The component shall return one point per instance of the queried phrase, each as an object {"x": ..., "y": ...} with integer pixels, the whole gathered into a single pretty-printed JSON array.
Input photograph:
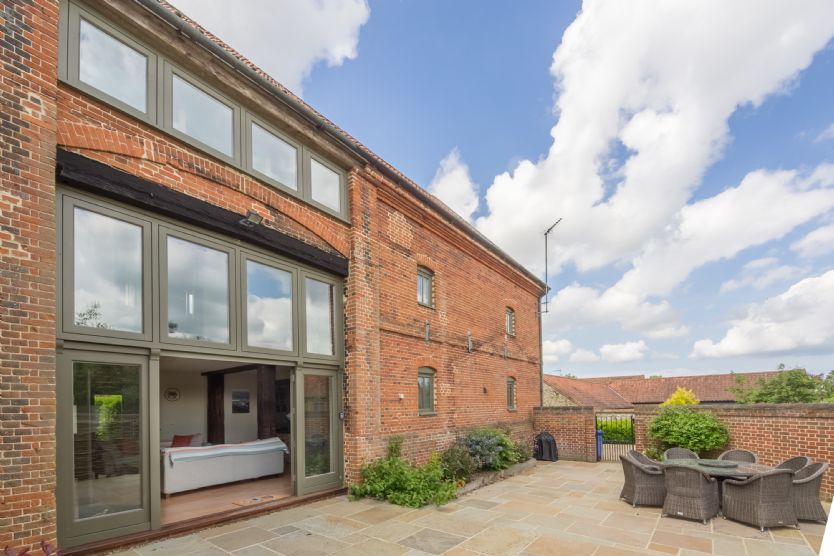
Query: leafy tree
[
  {"x": 681, "y": 396},
  {"x": 682, "y": 427},
  {"x": 792, "y": 386}
]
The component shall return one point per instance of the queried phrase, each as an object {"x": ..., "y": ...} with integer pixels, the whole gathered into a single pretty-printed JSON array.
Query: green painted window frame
[
  {"x": 159, "y": 100},
  {"x": 251, "y": 120},
  {"x": 70, "y": 69},
  {"x": 66, "y": 298},
  {"x": 164, "y": 233},
  {"x": 336, "y": 311},
  {"x": 511, "y": 393},
  {"x": 430, "y": 375},
  {"x": 425, "y": 274},
  {"x": 509, "y": 321},
  {"x": 245, "y": 257}
]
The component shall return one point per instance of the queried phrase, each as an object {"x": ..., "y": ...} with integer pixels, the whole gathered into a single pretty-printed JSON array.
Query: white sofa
[{"x": 190, "y": 467}]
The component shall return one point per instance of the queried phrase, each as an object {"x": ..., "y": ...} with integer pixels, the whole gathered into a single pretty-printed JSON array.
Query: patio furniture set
[{"x": 735, "y": 485}]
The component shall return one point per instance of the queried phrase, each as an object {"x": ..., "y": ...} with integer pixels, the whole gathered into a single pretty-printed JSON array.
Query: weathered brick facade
[
  {"x": 28, "y": 82},
  {"x": 390, "y": 232},
  {"x": 775, "y": 432}
]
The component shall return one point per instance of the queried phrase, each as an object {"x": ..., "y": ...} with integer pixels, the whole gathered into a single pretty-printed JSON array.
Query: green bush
[
  {"x": 617, "y": 431},
  {"x": 654, "y": 453},
  {"x": 686, "y": 428},
  {"x": 491, "y": 448},
  {"x": 401, "y": 483},
  {"x": 457, "y": 464}
]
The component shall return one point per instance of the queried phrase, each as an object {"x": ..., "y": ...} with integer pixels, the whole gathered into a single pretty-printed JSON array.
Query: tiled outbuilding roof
[{"x": 586, "y": 393}]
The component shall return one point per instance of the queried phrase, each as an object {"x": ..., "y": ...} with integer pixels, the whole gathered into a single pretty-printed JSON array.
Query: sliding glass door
[
  {"x": 103, "y": 487},
  {"x": 319, "y": 430}
]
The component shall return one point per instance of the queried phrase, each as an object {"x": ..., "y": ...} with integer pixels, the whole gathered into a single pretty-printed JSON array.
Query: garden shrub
[
  {"x": 493, "y": 449},
  {"x": 681, "y": 396},
  {"x": 396, "y": 480},
  {"x": 617, "y": 431},
  {"x": 457, "y": 464},
  {"x": 686, "y": 428}
]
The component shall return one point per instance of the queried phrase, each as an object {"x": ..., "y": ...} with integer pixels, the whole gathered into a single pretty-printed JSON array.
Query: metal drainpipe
[{"x": 541, "y": 355}]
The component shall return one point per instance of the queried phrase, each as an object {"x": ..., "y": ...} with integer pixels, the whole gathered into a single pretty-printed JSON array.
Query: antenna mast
[{"x": 547, "y": 286}]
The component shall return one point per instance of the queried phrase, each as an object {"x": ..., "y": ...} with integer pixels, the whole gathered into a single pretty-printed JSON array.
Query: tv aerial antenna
[{"x": 547, "y": 286}]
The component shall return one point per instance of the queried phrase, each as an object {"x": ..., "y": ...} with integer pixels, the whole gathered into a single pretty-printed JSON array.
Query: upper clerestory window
[
  {"x": 201, "y": 116},
  {"x": 272, "y": 156},
  {"x": 325, "y": 185}
]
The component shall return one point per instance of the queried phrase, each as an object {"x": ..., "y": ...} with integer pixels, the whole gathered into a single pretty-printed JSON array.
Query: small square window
[
  {"x": 511, "y": 393},
  {"x": 509, "y": 318},
  {"x": 325, "y": 185},
  {"x": 201, "y": 116},
  {"x": 425, "y": 388},
  {"x": 273, "y": 157},
  {"x": 425, "y": 287}
]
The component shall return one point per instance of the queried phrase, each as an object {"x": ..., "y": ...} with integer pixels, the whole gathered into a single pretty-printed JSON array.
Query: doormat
[{"x": 255, "y": 500}]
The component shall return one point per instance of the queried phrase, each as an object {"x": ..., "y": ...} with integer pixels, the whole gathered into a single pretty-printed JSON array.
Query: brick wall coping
[
  {"x": 818, "y": 410},
  {"x": 565, "y": 409}
]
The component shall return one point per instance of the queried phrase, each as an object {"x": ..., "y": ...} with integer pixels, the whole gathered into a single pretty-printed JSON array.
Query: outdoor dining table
[{"x": 722, "y": 469}]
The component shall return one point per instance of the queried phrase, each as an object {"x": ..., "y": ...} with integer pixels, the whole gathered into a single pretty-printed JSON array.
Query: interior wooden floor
[{"x": 211, "y": 500}]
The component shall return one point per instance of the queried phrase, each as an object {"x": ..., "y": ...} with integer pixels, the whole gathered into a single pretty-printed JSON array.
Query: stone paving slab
[{"x": 562, "y": 508}]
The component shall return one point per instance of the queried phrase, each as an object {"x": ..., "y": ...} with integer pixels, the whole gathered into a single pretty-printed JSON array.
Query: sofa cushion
[{"x": 181, "y": 440}]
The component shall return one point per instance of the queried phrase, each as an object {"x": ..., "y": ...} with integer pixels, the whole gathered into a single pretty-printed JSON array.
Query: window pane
[
  {"x": 106, "y": 439},
  {"x": 112, "y": 67},
  {"x": 268, "y": 307},
  {"x": 202, "y": 116},
  {"x": 424, "y": 288},
  {"x": 317, "y": 437},
  {"x": 425, "y": 383},
  {"x": 198, "y": 292},
  {"x": 274, "y": 157},
  {"x": 108, "y": 272},
  {"x": 326, "y": 185},
  {"x": 319, "y": 314}
]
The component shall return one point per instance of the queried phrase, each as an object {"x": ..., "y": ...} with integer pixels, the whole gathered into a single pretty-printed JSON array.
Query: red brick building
[{"x": 190, "y": 254}]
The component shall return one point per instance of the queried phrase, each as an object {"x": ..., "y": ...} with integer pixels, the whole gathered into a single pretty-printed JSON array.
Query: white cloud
[
  {"x": 817, "y": 243},
  {"x": 583, "y": 356},
  {"x": 554, "y": 349},
  {"x": 668, "y": 107},
  {"x": 621, "y": 353},
  {"x": 826, "y": 134},
  {"x": 798, "y": 320},
  {"x": 762, "y": 273},
  {"x": 286, "y": 39},
  {"x": 453, "y": 185}
]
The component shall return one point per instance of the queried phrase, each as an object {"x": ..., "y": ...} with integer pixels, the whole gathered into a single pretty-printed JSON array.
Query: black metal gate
[{"x": 617, "y": 435}]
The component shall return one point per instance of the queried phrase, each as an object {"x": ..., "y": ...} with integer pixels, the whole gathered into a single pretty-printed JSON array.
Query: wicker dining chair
[
  {"x": 690, "y": 493},
  {"x": 644, "y": 459},
  {"x": 805, "y": 493},
  {"x": 643, "y": 483},
  {"x": 743, "y": 456},
  {"x": 795, "y": 463},
  {"x": 763, "y": 500},
  {"x": 679, "y": 453}
]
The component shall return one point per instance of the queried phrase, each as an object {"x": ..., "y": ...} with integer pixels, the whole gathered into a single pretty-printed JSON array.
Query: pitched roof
[
  {"x": 587, "y": 393},
  {"x": 654, "y": 390}
]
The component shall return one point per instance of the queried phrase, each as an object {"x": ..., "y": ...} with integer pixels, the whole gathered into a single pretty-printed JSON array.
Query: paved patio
[{"x": 558, "y": 508}]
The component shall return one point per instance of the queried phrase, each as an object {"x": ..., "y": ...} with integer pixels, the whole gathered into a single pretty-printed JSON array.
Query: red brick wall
[
  {"x": 574, "y": 429},
  {"x": 28, "y": 74},
  {"x": 775, "y": 432}
]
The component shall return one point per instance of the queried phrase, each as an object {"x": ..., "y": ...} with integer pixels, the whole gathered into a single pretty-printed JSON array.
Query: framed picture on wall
[{"x": 240, "y": 401}]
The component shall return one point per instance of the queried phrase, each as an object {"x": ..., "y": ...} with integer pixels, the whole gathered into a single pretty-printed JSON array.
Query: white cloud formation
[
  {"x": 800, "y": 319},
  {"x": 817, "y": 243},
  {"x": 826, "y": 134},
  {"x": 555, "y": 349},
  {"x": 762, "y": 273},
  {"x": 583, "y": 356},
  {"x": 621, "y": 353},
  {"x": 286, "y": 39},
  {"x": 453, "y": 185}
]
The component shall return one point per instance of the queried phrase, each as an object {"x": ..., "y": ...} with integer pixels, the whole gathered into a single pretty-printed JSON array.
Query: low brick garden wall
[
  {"x": 574, "y": 429},
  {"x": 775, "y": 432}
]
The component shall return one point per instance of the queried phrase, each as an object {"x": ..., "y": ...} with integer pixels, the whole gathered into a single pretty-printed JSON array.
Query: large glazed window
[
  {"x": 112, "y": 67},
  {"x": 273, "y": 157},
  {"x": 107, "y": 275},
  {"x": 201, "y": 116},
  {"x": 319, "y": 316},
  {"x": 269, "y": 311},
  {"x": 325, "y": 185},
  {"x": 107, "y": 434},
  {"x": 198, "y": 292}
]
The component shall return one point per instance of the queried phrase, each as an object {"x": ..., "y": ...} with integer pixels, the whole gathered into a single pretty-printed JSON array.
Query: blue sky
[{"x": 685, "y": 147}]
